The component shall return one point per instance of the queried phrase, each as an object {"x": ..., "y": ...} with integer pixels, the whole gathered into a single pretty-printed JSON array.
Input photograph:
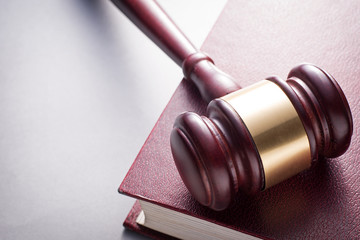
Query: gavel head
[{"x": 258, "y": 136}]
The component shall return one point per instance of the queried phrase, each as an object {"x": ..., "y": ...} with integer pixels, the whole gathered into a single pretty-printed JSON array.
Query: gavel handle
[{"x": 151, "y": 19}]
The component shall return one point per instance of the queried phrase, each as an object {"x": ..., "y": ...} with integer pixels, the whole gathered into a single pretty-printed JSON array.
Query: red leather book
[{"x": 253, "y": 40}]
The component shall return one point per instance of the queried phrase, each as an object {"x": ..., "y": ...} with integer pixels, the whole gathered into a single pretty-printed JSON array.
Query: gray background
[{"x": 80, "y": 90}]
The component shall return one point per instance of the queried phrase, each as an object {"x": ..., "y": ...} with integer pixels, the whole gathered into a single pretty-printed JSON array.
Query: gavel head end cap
[
  {"x": 333, "y": 104},
  {"x": 200, "y": 158}
]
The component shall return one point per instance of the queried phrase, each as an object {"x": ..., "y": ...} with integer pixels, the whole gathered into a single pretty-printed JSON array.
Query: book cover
[{"x": 251, "y": 41}]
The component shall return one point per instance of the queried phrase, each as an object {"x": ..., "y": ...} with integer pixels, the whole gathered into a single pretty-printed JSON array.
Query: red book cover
[{"x": 253, "y": 40}]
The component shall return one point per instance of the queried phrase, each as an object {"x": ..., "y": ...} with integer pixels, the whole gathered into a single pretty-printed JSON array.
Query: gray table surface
[{"x": 80, "y": 90}]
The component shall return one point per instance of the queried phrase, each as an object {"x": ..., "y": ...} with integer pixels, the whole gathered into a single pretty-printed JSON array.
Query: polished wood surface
[
  {"x": 198, "y": 68},
  {"x": 217, "y": 156}
]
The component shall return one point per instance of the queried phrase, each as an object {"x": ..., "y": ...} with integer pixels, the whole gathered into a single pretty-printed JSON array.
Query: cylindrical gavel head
[{"x": 261, "y": 135}]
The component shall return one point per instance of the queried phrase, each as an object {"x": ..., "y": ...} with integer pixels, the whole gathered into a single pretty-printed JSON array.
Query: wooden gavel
[{"x": 251, "y": 138}]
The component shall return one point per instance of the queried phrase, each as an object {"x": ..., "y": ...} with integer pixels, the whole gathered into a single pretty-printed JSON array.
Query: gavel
[{"x": 251, "y": 138}]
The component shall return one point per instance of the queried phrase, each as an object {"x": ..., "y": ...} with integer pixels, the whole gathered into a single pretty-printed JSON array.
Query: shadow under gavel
[{"x": 251, "y": 138}]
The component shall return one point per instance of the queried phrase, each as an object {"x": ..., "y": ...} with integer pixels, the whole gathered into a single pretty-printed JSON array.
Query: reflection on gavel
[{"x": 251, "y": 138}]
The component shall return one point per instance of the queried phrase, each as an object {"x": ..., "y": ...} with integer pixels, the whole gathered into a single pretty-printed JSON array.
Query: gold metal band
[{"x": 276, "y": 129}]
